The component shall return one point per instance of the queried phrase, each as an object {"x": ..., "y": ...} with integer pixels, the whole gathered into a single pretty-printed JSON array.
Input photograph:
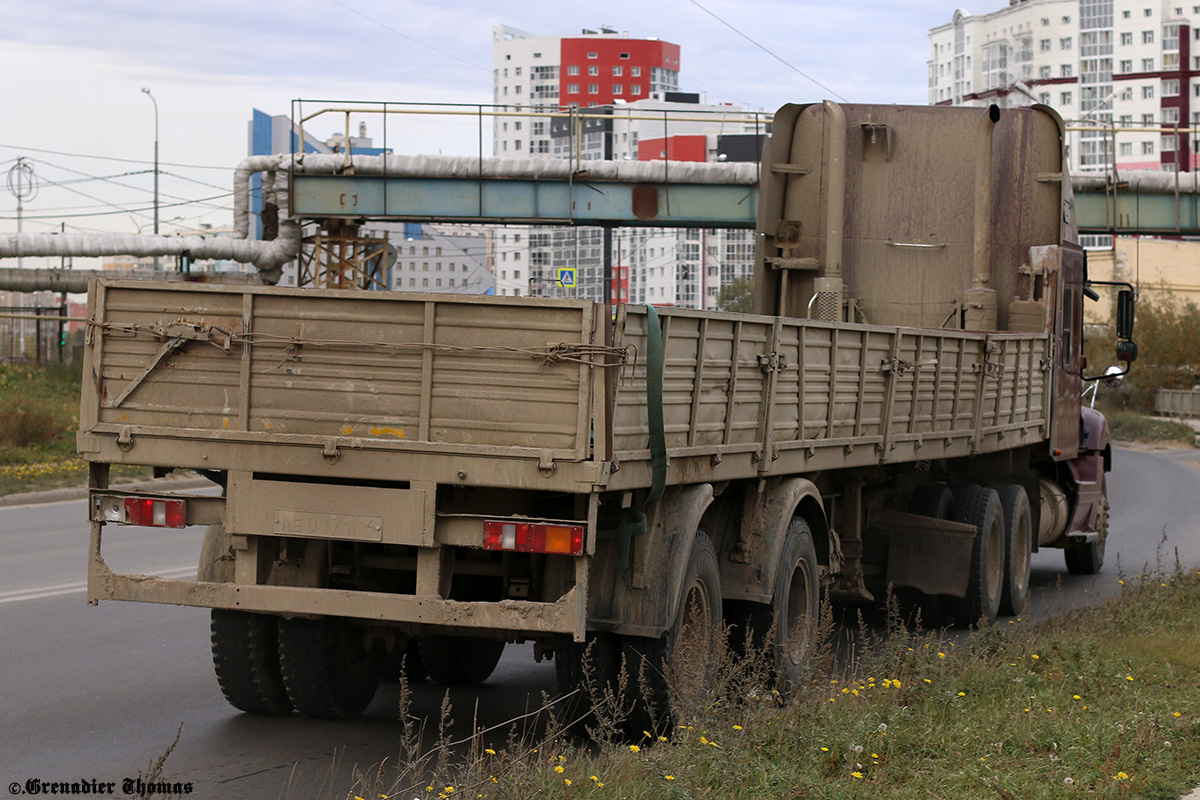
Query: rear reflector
[
  {"x": 526, "y": 537},
  {"x": 148, "y": 511}
]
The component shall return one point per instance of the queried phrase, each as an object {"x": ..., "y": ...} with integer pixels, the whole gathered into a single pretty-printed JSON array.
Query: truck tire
[
  {"x": 662, "y": 685},
  {"x": 245, "y": 654},
  {"x": 1018, "y": 548},
  {"x": 934, "y": 500},
  {"x": 588, "y": 677},
  {"x": 794, "y": 607},
  {"x": 460, "y": 660},
  {"x": 327, "y": 670},
  {"x": 405, "y": 662},
  {"x": 1088, "y": 559},
  {"x": 216, "y": 565},
  {"x": 980, "y": 506}
]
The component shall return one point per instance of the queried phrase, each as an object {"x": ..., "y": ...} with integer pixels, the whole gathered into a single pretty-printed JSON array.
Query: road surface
[{"x": 99, "y": 693}]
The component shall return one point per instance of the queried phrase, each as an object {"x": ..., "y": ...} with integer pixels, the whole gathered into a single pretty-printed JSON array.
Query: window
[
  {"x": 1127, "y": 94},
  {"x": 572, "y": 88},
  {"x": 1147, "y": 37},
  {"x": 617, "y": 71},
  {"x": 1127, "y": 38},
  {"x": 1147, "y": 65},
  {"x": 625, "y": 55},
  {"x": 1147, "y": 148},
  {"x": 635, "y": 72},
  {"x": 1127, "y": 65},
  {"x": 1065, "y": 71},
  {"x": 424, "y": 251},
  {"x": 1147, "y": 119},
  {"x": 1044, "y": 98},
  {"x": 517, "y": 71},
  {"x": 425, "y": 282},
  {"x": 537, "y": 55},
  {"x": 1170, "y": 88},
  {"x": 424, "y": 266},
  {"x": 1045, "y": 21},
  {"x": 593, "y": 88},
  {"x": 635, "y": 89},
  {"x": 1170, "y": 115},
  {"x": 1148, "y": 13},
  {"x": 437, "y": 250},
  {"x": 1044, "y": 45},
  {"x": 1066, "y": 20},
  {"x": 1126, "y": 120},
  {"x": 1126, "y": 14},
  {"x": 573, "y": 69},
  {"x": 1044, "y": 73},
  {"x": 591, "y": 55},
  {"x": 1065, "y": 98},
  {"x": 412, "y": 283},
  {"x": 618, "y": 89},
  {"x": 1126, "y": 148},
  {"x": 1065, "y": 43},
  {"x": 1147, "y": 92},
  {"x": 593, "y": 70}
]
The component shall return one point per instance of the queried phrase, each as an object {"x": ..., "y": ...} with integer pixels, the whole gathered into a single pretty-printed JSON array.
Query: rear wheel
[
  {"x": 671, "y": 675},
  {"x": 460, "y": 660},
  {"x": 1018, "y": 547},
  {"x": 327, "y": 669},
  {"x": 588, "y": 678},
  {"x": 1088, "y": 559},
  {"x": 246, "y": 659},
  {"x": 980, "y": 506},
  {"x": 794, "y": 607}
]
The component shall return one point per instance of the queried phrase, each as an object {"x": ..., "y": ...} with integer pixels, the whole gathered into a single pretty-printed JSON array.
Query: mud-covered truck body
[{"x": 436, "y": 475}]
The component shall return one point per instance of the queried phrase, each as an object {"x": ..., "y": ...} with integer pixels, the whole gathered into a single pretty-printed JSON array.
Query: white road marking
[{"x": 41, "y": 592}]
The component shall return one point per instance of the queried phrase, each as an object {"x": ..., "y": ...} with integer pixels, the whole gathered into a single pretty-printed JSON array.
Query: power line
[
  {"x": 409, "y": 38},
  {"x": 768, "y": 52},
  {"x": 112, "y": 158},
  {"x": 201, "y": 201}
]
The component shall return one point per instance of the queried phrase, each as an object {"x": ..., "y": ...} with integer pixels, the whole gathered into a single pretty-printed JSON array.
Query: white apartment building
[{"x": 1120, "y": 72}]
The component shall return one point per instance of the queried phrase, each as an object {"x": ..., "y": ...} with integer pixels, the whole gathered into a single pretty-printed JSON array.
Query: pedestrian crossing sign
[{"x": 566, "y": 276}]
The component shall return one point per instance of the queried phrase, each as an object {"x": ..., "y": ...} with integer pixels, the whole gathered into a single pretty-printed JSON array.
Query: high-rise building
[
  {"x": 626, "y": 93},
  {"x": 596, "y": 68},
  {"x": 1121, "y": 73}
]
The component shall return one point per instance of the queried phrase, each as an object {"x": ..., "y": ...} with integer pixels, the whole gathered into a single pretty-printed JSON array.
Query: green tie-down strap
[
  {"x": 654, "y": 406},
  {"x": 632, "y": 521}
]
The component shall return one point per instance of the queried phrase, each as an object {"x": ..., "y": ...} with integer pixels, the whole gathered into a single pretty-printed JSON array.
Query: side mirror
[
  {"x": 1125, "y": 317},
  {"x": 1127, "y": 352}
]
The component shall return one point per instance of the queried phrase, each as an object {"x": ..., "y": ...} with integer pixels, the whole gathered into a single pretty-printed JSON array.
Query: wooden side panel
[{"x": 361, "y": 367}]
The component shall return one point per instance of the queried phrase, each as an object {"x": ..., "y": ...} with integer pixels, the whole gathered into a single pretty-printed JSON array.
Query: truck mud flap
[{"x": 928, "y": 554}]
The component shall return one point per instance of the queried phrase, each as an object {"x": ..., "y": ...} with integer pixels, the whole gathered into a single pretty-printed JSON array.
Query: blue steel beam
[
  {"x": 562, "y": 202},
  {"x": 1137, "y": 213},
  {"x": 524, "y": 200}
]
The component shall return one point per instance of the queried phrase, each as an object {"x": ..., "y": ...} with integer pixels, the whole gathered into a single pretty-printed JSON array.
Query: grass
[
  {"x": 1127, "y": 427},
  {"x": 1101, "y": 702},
  {"x": 39, "y": 414}
]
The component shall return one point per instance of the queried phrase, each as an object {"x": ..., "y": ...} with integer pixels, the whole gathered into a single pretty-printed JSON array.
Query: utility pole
[
  {"x": 23, "y": 186},
  {"x": 152, "y": 100}
]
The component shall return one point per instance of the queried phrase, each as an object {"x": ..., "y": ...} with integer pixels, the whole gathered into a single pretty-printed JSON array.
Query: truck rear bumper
[{"x": 421, "y": 613}]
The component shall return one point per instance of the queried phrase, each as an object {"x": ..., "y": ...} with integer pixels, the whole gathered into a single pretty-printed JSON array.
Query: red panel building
[{"x": 598, "y": 71}]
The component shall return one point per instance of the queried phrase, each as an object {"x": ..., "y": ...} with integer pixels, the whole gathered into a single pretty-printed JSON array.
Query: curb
[{"x": 80, "y": 492}]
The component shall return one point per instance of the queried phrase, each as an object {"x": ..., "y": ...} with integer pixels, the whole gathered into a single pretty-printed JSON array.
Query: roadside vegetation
[
  {"x": 1098, "y": 702},
  {"x": 39, "y": 414}
]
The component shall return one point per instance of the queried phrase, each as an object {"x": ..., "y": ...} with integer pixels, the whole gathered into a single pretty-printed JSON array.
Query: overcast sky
[{"x": 74, "y": 69}]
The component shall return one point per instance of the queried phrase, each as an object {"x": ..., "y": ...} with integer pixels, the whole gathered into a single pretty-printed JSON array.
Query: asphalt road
[{"x": 99, "y": 693}]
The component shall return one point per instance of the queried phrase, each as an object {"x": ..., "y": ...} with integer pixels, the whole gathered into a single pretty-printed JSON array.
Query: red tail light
[
  {"x": 530, "y": 537},
  {"x": 148, "y": 511}
]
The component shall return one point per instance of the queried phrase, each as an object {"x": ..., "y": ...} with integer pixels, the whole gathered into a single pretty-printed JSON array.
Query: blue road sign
[{"x": 566, "y": 276}]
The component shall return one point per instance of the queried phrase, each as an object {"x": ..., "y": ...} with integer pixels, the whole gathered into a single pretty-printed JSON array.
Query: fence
[
  {"x": 37, "y": 340},
  {"x": 1177, "y": 403}
]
